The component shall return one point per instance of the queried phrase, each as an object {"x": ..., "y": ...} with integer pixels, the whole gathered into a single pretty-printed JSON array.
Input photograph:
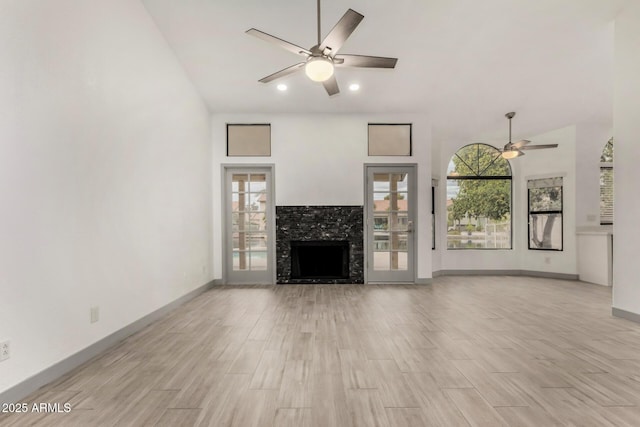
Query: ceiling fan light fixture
[
  {"x": 319, "y": 69},
  {"x": 511, "y": 154}
]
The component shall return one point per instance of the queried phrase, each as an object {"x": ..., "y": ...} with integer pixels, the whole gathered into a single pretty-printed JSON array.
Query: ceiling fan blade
[
  {"x": 520, "y": 144},
  {"x": 277, "y": 41},
  {"x": 331, "y": 85},
  {"x": 341, "y": 32},
  {"x": 282, "y": 73},
  {"x": 365, "y": 61},
  {"x": 538, "y": 147}
]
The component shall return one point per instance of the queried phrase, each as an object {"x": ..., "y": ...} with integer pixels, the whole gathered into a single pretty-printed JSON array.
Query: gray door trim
[
  {"x": 368, "y": 220},
  {"x": 251, "y": 168}
]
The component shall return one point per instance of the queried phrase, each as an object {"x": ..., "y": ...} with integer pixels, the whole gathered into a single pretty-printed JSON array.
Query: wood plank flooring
[{"x": 464, "y": 351}]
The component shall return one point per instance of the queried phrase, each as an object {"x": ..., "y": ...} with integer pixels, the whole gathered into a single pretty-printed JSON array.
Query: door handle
[{"x": 409, "y": 226}]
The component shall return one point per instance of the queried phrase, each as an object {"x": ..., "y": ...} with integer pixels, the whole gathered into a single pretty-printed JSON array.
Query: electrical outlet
[
  {"x": 5, "y": 350},
  {"x": 94, "y": 314}
]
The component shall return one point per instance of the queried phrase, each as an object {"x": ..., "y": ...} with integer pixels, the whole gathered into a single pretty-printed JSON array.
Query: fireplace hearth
[{"x": 319, "y": 244}]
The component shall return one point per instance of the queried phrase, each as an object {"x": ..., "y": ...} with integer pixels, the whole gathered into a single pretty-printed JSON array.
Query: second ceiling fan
[
  {"x": 323, "y": 57},
  {"x": 512, "y": 150}
]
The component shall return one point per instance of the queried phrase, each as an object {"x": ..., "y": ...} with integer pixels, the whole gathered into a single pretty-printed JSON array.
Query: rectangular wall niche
[
  {"x": 320, "y": 244},
  {"x": 253, "y": 140}
]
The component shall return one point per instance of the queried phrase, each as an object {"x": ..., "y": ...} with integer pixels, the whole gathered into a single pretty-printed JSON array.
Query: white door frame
[
  {"x": 269, "y": 169},
  {"x": 369, "y": 221}
]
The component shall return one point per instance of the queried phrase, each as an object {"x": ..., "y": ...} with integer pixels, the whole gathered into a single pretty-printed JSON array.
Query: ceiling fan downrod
[
  {"x": 319, "y": 39},
  {"x": 508, "y": 116}
]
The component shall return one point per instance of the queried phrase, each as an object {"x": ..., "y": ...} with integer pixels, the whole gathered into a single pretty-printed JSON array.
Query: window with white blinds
[{"x": 606, "y": 184}]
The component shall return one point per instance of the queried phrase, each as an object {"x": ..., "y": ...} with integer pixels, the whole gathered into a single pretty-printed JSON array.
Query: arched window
[
  {"x": 478, "y": 199},
  {"x": 606, "y": 183}
]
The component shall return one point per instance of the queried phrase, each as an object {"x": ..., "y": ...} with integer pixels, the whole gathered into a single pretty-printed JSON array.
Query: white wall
[
  {"x": 104, "y": 177},
  {"x": 559, "y": 161},
  {"x": 319, "y": 161},
  {"x": 626, "y": 120}
]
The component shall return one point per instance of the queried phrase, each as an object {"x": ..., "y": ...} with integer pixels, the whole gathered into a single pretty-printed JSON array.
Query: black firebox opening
[{"x": 320, "y": 259}]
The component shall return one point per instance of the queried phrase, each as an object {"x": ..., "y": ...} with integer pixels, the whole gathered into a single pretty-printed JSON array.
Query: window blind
[
  {"x": 545, "y": 182},
  {"x": 606, "y": 195}
]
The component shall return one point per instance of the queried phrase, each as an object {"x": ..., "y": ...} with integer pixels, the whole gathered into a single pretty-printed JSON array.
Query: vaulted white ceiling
[{"x": 464, "y": 63}]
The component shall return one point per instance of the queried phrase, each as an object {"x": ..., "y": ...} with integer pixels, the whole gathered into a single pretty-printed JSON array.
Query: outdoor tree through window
[
  {"x": 478, "y": 199},
  {"x": 545, "y": 213}
]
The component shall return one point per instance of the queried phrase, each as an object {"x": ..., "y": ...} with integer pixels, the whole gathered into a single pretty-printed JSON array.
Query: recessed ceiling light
[
  {"x": 354, "y": 87},
  {"x": 282, "y": 87}
]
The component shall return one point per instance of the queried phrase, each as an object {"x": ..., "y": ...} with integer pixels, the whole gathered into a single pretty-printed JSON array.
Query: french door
[
  {"x": 249, "y": 225},
  {"x": 390, "y": 222}
]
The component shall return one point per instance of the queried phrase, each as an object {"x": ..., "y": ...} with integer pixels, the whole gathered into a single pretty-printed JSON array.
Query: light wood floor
[{"x": 479, "y": 351}]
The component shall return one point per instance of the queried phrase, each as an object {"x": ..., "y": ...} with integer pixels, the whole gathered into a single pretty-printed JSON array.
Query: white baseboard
[{"x": 530, "y": 273}]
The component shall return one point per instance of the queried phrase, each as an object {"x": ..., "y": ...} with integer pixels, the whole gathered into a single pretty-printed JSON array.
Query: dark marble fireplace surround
[{"x": 323, "y": 224}]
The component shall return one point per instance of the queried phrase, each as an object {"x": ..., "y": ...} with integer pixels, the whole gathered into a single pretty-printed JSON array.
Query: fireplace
[
  {"x": 319, "y": 244},
  {"x": 320, "y": 259}
]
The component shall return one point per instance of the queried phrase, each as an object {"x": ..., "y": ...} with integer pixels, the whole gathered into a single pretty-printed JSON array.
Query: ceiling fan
[
  {"x": 512, "y": 150},
  {"x": 323, "y": 57}
]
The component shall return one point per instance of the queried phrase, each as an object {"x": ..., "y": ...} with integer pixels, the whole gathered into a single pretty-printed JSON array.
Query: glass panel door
[
  {"x": 390, "y": 223},
  {"x": 249, "y": 226}
]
